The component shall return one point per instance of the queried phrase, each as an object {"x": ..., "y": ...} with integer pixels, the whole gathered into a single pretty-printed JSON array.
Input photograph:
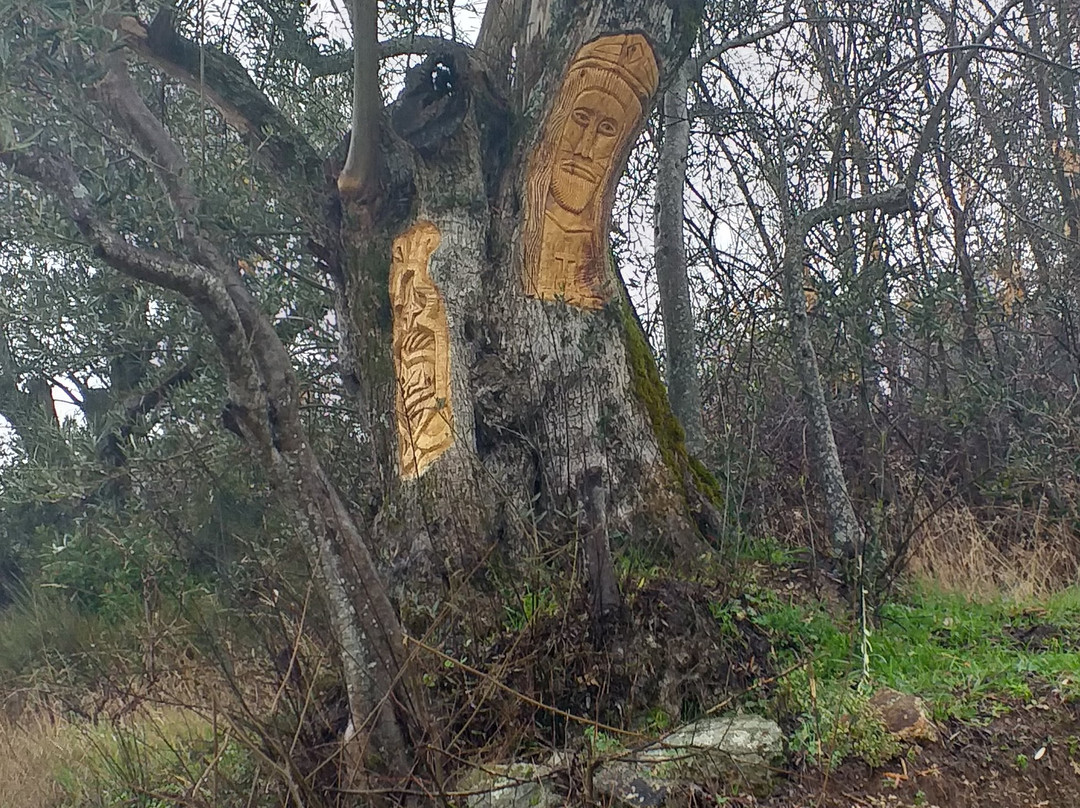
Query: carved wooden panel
[
  {"x": 421, "y": 345},
  {"x": 572, "y": 173}
]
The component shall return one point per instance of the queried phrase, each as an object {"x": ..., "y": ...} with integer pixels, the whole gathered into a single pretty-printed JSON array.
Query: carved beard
[
  {"x": 417, "y": 362},
  {"x": 575, "y": 182}
]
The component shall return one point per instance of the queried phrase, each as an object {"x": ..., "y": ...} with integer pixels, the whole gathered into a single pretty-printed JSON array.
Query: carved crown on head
[{"x": 630, "y": 56}]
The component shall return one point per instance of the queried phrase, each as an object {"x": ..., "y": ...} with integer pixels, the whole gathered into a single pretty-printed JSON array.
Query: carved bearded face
[{"x": 590, "y": 139}]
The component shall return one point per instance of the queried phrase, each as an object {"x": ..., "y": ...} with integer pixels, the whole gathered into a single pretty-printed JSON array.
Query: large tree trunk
[
  {"x": 509, "y": 399},
  {"x": 514, "y": 386},
  {"x": 537, "y": 376}
]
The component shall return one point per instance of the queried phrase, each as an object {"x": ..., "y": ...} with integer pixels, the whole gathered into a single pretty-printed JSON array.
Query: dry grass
[
  {"x": 959, "y": 550},
  {"x": 34, "y": 756},
  {"x": 48, "y": 761}
]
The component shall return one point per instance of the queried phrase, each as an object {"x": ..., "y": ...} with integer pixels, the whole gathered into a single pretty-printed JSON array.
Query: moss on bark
[{"x": 650, "y": 391}]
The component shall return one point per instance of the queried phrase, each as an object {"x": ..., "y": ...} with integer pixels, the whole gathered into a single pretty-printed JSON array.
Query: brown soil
[{"x": 973, "y": 767}]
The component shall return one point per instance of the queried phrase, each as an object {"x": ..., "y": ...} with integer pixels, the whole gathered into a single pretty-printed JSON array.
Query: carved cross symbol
[{"x": 568, "y": 263}]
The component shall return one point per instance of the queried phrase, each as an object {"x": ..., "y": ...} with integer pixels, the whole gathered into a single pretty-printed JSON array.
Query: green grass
[{"x": 969, "y": 660}]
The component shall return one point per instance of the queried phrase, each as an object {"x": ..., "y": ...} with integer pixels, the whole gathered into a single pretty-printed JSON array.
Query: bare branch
[
  {"x": 121, "y": 99},
  {"x": 894, "y": 200},
  {"x": 357, "y": 178},
  {"x": 320, "y": 64},
  {"x": 933, "y": 120},
  {"x": 720, "y": 49},
  {"x": 229, "y": 88}
]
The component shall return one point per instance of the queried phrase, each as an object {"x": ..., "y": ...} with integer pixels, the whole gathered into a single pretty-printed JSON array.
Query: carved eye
[
  {"x": 581, "y": 116},
  {"x": 607, "y": 128}
]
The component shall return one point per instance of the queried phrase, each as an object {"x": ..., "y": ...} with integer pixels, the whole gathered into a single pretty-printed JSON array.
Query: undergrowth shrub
[{"x": 834, "y": 722}]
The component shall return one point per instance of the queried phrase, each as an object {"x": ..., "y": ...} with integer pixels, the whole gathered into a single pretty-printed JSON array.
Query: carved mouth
[
  {"x": 418, "y": 341},
  {"x": 576, "y": 168},
  {"x": 418, "y": 395}
]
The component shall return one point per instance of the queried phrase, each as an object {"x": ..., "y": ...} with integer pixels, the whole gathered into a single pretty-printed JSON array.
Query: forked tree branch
[
  {"x": 933, "y": 120},
  {"x": 121, "y": 100},
  {"x": 206, "y": 290},
  {"x": 320, "y": 64}
]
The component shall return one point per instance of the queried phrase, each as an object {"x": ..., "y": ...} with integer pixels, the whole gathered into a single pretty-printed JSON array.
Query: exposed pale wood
[
  {"x": 425, "y": 416},
  {"x": 573, "y": 171}
]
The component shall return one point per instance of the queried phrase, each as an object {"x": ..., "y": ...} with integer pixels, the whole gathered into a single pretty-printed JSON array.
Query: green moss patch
[{"x": 650, "y": 389}]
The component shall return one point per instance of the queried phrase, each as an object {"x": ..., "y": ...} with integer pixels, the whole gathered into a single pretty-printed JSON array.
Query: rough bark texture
[{"x": 543, "y": 391}]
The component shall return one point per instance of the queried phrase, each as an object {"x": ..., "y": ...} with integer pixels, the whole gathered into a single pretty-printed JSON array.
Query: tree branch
[
  {"x": 320, "y": 64},
  {"x": 357, "y": 178},
  {"x": 720, "y": 49},
  {"x": 225, "y": 82},
  {"x": 121, "y": 99},
  {"x": 933, "y": 120},
  {"x": 894, "y": 200},
  {"x": 25, "y": 409},
  {"x": 208, "y": 291}
]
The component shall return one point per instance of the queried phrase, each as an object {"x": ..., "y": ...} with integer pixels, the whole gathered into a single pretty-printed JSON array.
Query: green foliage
[
  {"x": 767, "y": 551},
  {"x": 649, "y": 389},
  {"x": 529, "y": 606},
  {"x": 600, "y": 742},
  {"x": 43, "y": 631},
  {"x": 835, "y": 722},
  {"x": 969, "y": 660},
  {"x": 635, "y": 567}
]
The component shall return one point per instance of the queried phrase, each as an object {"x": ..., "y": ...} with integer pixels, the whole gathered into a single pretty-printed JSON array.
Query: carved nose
[
  {"x": 586, "y": 145},
  {"x": 412, "y": 311}
]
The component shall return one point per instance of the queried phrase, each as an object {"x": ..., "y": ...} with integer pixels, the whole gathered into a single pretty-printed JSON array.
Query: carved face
[
  {"x": 590, "y": 137},
  {"x": 421, "y": 352},
  {"x": 574, "y": 167}
]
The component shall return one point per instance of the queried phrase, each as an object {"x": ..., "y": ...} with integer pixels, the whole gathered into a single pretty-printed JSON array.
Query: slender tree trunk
[
  {"x": 680, "y": 341},
  {"x": 846, "y": 531}
]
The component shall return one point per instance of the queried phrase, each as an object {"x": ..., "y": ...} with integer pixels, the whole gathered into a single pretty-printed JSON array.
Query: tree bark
[{"x": 680, "y": 340}]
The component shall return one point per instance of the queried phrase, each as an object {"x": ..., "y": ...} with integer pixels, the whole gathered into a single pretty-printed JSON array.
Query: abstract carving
[
  {"x": 572, "y": 173},
  {"x": 421, "y": 345}
]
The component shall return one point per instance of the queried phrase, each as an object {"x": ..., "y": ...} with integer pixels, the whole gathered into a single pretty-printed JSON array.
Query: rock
[
  {"x": 734, "y": 749},
  {"x": 904, "y": 716},
  {"x": 624, "y": 782},
  {"x": 517, "y": 785}
]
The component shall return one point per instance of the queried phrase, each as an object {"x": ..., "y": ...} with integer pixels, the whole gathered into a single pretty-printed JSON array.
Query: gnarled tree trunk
[
  {"x": 506, "y": 388},
  {"x": 525, "y": 399}
]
